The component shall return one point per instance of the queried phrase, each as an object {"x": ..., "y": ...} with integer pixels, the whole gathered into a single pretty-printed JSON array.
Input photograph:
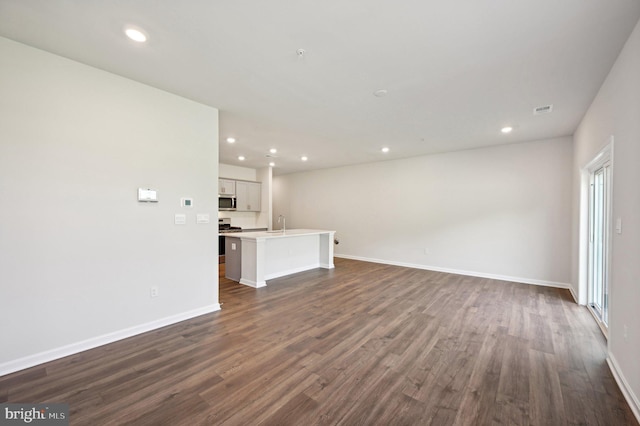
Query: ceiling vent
[{"x": 544, "y": 109}]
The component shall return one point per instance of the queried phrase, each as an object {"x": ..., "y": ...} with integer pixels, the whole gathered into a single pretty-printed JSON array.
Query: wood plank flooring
[{"x": 364, "y": 344}]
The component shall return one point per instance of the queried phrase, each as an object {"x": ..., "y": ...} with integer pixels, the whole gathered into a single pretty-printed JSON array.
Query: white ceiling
[{"x": 456, "y": 71}]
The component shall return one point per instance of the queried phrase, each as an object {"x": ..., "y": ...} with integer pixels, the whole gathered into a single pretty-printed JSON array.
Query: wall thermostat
[
  {"x": 186, "y": 202},
  {"x": 146, "y": 195}
]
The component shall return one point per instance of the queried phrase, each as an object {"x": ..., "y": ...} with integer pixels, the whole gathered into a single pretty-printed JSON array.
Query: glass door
[{"x": 599, "y": 208}]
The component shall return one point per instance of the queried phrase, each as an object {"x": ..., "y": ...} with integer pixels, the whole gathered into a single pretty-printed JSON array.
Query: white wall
[
  {"x": 78, "y": 253},
  {"x": 502, "y": 211},
  {"x": 265, "y": 176},
  {"x": 616, "y": 112},
  {"x": 237, "y": 172}
]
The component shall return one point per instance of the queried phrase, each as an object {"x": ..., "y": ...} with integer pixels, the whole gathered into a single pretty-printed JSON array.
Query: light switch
[
  {"x": 619, "y": 225},
  {"x": 181, "y": 219},
  {"x": 233, "y": 246},
  {"x": 202, "y": 218}
]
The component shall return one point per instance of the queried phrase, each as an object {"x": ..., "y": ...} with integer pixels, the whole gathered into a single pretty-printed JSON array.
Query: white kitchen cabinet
[
  {"x": 226, "y": 187},
  {"x": 248, "y": 196}
]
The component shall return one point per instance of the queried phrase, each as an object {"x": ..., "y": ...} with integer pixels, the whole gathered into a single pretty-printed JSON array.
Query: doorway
[{"x": 599, "y": 236}]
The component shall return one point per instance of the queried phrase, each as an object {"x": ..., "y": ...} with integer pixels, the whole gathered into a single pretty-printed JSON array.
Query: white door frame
[{"x": 604, "y": 155}]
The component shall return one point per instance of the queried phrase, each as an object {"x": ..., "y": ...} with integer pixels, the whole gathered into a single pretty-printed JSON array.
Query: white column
[
  {"x": 253, "y": 262},
  {"x": 326, "y": 250}
]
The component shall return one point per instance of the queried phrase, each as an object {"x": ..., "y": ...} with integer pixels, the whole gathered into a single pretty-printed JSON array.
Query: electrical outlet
[{"x": 154, "y": 291}]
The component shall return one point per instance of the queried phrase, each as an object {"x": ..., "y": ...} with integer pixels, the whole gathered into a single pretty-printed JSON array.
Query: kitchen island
[{"x": 261, "y": 256}]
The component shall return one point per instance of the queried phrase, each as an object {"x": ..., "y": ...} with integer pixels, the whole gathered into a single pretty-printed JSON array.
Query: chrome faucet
[{"x": 283, "y": 222}]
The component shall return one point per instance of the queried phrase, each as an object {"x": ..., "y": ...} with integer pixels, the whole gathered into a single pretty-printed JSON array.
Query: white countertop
[{"x": 276, "y": 234}]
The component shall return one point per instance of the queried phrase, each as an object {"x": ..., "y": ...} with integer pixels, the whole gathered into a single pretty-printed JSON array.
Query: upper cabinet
[
  {"x": 226, "y": 187},
  {"x": 248, "y": 196}
]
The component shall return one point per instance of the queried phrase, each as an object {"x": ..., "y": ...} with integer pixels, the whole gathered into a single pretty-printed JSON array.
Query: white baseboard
[
  {"x": 94, "y": 342},
  {"x": 574, "y": 295},
  {"x": 252, "y": 283},
  {"x": 460, "y": 272},
  {"x": 628, "y": 394}
]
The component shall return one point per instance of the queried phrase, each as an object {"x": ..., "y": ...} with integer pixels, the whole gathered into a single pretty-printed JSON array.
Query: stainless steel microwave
[{"x": 226, "y": 202}]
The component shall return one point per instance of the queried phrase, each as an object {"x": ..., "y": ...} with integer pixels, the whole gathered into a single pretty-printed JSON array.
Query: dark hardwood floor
[{"x": 364, "y": 344}]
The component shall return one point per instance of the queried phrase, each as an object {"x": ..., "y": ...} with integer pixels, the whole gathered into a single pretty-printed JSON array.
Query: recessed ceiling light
[
  {"x": 273, "y": 150},
  {"x": 506, "y": 129},
  {"x": 304, "y": 158},
  {"x": 385, "y": 149},
  {"x": 135, "y": 34},
  {"x": 231, "y": 140},
  {"x": 380, "y": 93},
  {"x": 272, "y": 164},
  {"x": 241, "y": 158}
]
